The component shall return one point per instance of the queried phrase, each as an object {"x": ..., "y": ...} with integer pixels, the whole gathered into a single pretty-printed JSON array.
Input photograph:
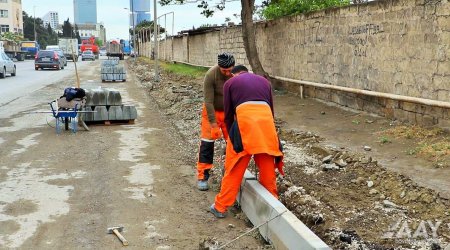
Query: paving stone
[
  {"x": 98, "y": 97},
  {"x": 89, "y": 94},
  {"x": 113, "y": 98},
  {"x": 87, "y": 116},
  {"x": 115, "y": 113},
  {"x": 129, "y": 112},
  {"x": 101, "y": 114}
]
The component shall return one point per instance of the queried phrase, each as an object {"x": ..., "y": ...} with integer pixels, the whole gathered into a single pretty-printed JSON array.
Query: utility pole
[
  {"x": 134, "y": 31},
  {"x": 155, "y": 33}
]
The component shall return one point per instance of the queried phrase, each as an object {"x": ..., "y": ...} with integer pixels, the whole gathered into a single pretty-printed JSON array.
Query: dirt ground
[
  {"x": 349, "y": 186},
  {"x": 64, "y": 191}
]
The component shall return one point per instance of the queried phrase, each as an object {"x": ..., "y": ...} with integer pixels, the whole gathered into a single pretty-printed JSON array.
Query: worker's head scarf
[{"x": 225, "y": 60}]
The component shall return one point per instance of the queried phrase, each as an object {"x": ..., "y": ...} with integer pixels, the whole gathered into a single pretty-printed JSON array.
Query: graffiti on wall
[
  {"x": 310, "y": 34},
  {"x": 359, "y": 37}
]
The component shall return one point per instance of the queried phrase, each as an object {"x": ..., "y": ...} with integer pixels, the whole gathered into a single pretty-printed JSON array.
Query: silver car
[
  {"x": 7, "y": 66},
  {"x": 87, "y": 55}
]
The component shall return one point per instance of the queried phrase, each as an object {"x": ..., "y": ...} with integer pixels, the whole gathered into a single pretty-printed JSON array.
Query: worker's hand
[
  {"x": 279, "y": 164},
  {"x": 216, "y": 133}
]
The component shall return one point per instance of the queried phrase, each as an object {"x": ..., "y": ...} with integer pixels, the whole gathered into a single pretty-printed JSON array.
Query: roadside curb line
[{"x": 284, "y": 232}]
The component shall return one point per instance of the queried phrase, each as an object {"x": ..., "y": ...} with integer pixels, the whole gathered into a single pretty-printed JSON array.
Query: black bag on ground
[{"x": 72, "y": 93}]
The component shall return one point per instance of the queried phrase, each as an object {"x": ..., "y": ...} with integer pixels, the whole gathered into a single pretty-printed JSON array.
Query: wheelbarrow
[{"x": 64, "y": 116}]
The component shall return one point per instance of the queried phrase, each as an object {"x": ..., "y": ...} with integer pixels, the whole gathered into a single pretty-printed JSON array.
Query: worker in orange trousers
[
  {"x": 249, "y": 118},
  {"x": 212, "y": 122}
]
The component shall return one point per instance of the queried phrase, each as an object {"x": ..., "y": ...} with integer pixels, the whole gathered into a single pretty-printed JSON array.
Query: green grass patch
[
  {"x": 185, "y": 70},
  {"x": 384, "y": 140},
  {"x": 432, "y": 143}
]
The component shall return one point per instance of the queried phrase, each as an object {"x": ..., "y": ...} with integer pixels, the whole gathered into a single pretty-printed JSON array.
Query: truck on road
[
  {"x": 89, "y": 44},
  {"x": 126, "y": 47},
  {"x": 30, "y": 48},
  {"x": 114, "y": 49},
  {"x": 69, "y": 46},
  {"x": 12, "y": 50}
]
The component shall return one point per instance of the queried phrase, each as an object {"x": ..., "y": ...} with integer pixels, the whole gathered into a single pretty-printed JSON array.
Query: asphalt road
[{"x": 29, "y": 80}]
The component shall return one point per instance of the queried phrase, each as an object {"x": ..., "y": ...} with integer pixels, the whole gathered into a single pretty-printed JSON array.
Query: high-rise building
[
  {"x": 51, "y": 18},
  {"x": 140, "y": 10},
  {"x": 85, "y": 11},
  {"x": 11, "y": 16}
]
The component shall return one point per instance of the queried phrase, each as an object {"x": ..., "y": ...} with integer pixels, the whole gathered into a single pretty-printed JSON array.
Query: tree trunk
[{"x": 249, "y": 37}]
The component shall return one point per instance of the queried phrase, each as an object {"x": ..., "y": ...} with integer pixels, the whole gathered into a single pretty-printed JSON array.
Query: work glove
[
  {"x": 216, "y": 133},
  {"x": 279, "y": 164}
]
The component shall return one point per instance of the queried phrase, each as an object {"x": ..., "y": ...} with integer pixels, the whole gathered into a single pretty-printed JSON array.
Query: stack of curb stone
[
  {"x": 108, "y": 107},
  {"x": 111, "y": 70}
]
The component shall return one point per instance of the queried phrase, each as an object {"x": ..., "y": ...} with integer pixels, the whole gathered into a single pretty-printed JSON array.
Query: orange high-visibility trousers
[
  {"x": 259, "y": 138},
  {"x": 232, "y": 179},
  {"x": 206, "y": 150}
]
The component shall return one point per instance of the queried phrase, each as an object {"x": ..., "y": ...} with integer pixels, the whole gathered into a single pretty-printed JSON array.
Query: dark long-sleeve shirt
[
  {"x": 213, "y": 92},
  {"x": 243, "y": 88}
]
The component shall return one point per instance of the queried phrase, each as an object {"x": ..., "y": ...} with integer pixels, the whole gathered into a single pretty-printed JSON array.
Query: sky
[{"x": 115, "y": 17}]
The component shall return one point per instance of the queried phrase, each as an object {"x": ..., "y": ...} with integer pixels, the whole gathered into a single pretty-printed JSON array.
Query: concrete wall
[{"x": 392, "y": 46}]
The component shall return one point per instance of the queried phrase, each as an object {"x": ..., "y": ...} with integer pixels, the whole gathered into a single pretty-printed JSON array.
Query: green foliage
[
  {"x": 99, "y": 42},
  {"x": 67, "y": 29},
  {"x": 280, "y": 8},
  {"x": 384, "y": 140},
  {"x": 44, "y": 35},
  {"x": 9, "y": 36},
  {"x": 185, "y": 70},
  {"x": 207, "y": 10}
]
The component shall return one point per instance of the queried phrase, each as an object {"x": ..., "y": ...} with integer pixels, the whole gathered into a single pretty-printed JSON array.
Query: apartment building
[
  {"x": 11, "y": 16},
  {"x": 51, "y": 18}
]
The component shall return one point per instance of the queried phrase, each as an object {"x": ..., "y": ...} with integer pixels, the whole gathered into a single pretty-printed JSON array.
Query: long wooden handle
[{"x": 121, "y": 238}]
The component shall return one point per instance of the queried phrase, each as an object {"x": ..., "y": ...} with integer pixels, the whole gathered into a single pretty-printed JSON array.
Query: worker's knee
[{"x": 206, "y": 153}]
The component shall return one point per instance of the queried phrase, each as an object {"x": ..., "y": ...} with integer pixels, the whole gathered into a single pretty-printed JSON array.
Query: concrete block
[
  {"x": 98, "y": 97},
  {"x": 113, "y": 97},
  {"x": 87, "y": 116},
  {"x": 101, "y": 113},
  {"x": 89, "y": 95},
  {"x": 285, "y": 231},
  {"x": 129, "y": 112},
  {"x": 115, "y": 113}
]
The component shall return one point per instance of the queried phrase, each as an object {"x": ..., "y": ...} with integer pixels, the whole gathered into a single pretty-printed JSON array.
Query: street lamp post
[
  {"x": 134, "y": 33},
  {"x": 134, "y": 30}
]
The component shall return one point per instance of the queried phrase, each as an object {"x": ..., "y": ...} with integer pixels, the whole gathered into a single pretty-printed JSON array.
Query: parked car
[
  {"x": 102, "y": 52},
  {"x": 7, "y": 66},
  {"x": 87, "y": 55},
  {"x": 48, "y": 59}
]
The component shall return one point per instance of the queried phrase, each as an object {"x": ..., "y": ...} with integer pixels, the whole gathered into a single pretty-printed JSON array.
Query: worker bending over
[
  {"x": 249, "y": 118},
  {"x": 212, "y": 123}
]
